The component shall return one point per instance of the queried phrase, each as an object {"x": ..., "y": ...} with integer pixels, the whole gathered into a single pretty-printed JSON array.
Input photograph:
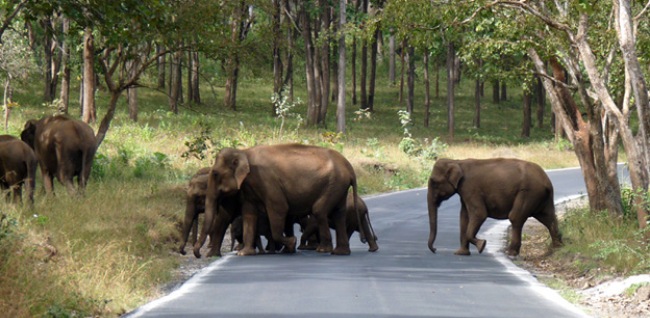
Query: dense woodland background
[{"x": 484, "y": 72}]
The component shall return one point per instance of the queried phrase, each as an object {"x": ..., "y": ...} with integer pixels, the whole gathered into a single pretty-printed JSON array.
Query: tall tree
[
  {"x": 340, "y": 105},
  {"x": 89, "y": 113}
]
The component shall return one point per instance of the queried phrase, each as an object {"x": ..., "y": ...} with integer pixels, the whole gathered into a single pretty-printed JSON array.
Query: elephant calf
[
  {"x": 17, "y": 168},
  {"x": 65, "y": 149},
  {"x": 352, "y": 219},
  {"x": 497, "y": 188}
]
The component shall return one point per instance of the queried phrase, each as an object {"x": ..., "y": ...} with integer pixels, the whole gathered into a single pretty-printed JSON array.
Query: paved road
[{"x": 402, "y": 279}]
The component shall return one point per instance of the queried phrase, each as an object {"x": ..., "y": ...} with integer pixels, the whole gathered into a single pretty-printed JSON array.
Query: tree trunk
[
  {"x": 427, "y": 92},
  {"x": 89, "y": 114},
  {"x": 312, "y": 90},
  {"x": 324, "y": 60},
  {"x": 477, "y": 103},
  {"x": 411, "y": 80},
  {"x": 504, "y": 92},
  {"x": 364, "y": 62},
  {"x": 65, "y": 57},
  {"x": 391, "y": 59},
  {"x": 340, "y": 106},
  {"x": 277, "y": 54},
  {"x": 451, "y": 55},
  {"x": 354, "y": 70},
  {"x": 161, "y": 66},
  {"x": 46, "y": 24},
  {"x": 174, "y": 88},
  {"x": 495, "y": 92},
  {"x": 541, "y": 101},
  {"x": 132, "y": 92},
  {"x": 401, "y": 82},
  {"x": 196, "y": 68},
  {"x": 525, "y": 127},
  {"x": 373, "y": 69}
]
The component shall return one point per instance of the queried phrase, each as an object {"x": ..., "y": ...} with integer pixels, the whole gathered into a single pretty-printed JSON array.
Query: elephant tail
[{"x": 355, "y": 206}]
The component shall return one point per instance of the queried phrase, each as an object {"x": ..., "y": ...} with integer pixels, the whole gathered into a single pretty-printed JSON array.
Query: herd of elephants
[{"x": 264, "y": 190}]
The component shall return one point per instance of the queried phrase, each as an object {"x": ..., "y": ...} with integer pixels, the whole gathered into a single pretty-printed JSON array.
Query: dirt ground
[{"x": 599, "y": 295}]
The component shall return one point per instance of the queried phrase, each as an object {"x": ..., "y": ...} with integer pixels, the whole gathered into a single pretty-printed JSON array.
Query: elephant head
[
  {"x": 28, "y": 135},
  {"x": 444, "y": 181},
  {"x": 225, "y": 179}
]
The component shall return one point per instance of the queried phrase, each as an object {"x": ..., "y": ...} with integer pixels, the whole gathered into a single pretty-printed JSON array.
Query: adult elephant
[
  {"x": 498, "y": 188},
  {"x": 283, "y": 180},
  {"x": 355, "y": 219},
  {"x": 194, "y": 205},
  {"x": 17, "y": 168},
  {"x": 65, "y": 148}
]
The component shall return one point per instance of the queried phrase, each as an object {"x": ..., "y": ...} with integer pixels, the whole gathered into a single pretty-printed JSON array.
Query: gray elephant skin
[
  {"x": 17, "y": 168},
  {"x": 288, "y": 180},
  {"x": 65, "y": 149},
  {"x": 498, "y": 188},
  {"x": 353, "y": 217}
]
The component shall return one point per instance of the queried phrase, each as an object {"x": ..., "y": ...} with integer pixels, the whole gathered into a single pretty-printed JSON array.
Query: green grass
[{"x": 115, "y": 246}]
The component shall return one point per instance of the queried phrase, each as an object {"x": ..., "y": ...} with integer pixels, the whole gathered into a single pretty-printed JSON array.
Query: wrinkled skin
[
  {"x": 17, "y": 168},
  {"x": 352, "y": 220},
  {"x": 65, "y": 149},
  {"x": 497, "y": 188},
  {"x": 287, "y": 180}
]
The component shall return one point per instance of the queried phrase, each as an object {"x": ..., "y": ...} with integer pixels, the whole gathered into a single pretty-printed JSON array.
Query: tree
[{"x": 340, "y": 106}]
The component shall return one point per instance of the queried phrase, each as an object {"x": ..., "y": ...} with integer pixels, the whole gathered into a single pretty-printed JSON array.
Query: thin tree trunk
[
  {"x": 174, "y": 76},
  {"x": 340, "y": 107},
  {"x": 411, "y": 80},
  {"x": 391, "y": 59},
  {"x": 525, "y": 127},
  {"x": 373, "y": 69},
  {"x": 324, "y": 60},
  {"x": 354, "y": 70},
  {"x": 313, "y": 107},
  {"x": 46, "y": 24},
  {"x": 161, "y": 67},
  {"x": 477, "y": 103},
  {"x": 364, "y": 63},
  {"x": 89, "y": 112},
  {"x": 196, "y": 68},
  {"x": 451, "y": 55},
  {"x": 504, "y": 92},
  {"x": 541, "y": 101},
  {"x": 401, "y": 82},
  {"x": 132, "y": 92},
  {"x": 277, "y": 54},
  {"x": 495, "y": 92},
  {"x": 65, "y": 57},
  {"x": 427, "y": 93}
]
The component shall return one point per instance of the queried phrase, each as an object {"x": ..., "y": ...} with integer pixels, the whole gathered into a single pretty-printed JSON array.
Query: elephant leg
[
  {"x": 311, "y": 227},
  {"x": 249, "y": 217},
  {"x": 342, "y": 237},
  {"x": 515, "y": 236},
  {"x": 464, "y": 242},
  {"x": 277, "y": 222},
  {"x": 549, "y": 219},
  {"x": 48, "y": 179},
  {"x": 475, "y": 222}
]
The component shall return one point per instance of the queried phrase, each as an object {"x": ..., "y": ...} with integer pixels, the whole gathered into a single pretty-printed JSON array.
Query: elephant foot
[
  {"x": 339, "y": 250},
  {"x": 182, "y": 250},
  {"x": 480, "y": 244},
  {"x": 197, "y": 252},
  {"x": 512, "y": 253},
  {"x": 373, "y": 248},
  {"x": 463, "y": 252},
  {"x": 324, "y": 248},
  {"x": 307, "y": 247},
  {"x": 290, "y": 245},
  {"x": 246, "y": 251}
]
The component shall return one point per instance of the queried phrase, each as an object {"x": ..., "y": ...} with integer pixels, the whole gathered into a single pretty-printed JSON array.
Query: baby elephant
[
  {"x": 17, "y": 167},
  {"x": 352, "y": 221},
  {"x": 497, "y": 188},
  {"x": 194, "y": 205}
]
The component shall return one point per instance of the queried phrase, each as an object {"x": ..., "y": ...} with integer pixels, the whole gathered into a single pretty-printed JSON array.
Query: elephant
[
  {"x": 499, "y": 188},
  {"x": 194, "y": 205},
  {"x": 285, "y": 180},
  {"x": 229, "y": 211},
  {"x": 263, "y": 229},
  {"x": 352, "y": 218},
  {"x": 17, "y": 168},
  {"x": 65, "y": 148}
]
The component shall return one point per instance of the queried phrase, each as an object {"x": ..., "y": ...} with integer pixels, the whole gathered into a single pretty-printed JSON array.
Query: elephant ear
[
  {"x": 454, "y": 174},
  {"x": 242, "y": 168}
]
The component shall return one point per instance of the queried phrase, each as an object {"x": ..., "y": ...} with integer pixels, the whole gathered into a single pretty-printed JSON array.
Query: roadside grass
[{"x": 114, "y": 248}]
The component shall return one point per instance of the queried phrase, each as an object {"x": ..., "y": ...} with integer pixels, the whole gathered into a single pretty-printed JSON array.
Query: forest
[{"x": 392, "y": 84}]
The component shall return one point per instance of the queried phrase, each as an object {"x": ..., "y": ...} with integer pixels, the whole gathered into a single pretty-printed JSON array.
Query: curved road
[{"x": 402, "y": 279}]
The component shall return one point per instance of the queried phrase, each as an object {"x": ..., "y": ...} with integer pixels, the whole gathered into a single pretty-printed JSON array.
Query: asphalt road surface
[{"x": 402, "y": 279}]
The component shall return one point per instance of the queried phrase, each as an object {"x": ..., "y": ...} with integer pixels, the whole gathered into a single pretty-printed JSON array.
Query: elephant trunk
[{"x": 433, "y": 220}]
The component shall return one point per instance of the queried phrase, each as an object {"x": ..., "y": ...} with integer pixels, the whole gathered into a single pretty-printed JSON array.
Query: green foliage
[
  {"x": 425, "y": 150},
  {"x": 199, "y": 145}
]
